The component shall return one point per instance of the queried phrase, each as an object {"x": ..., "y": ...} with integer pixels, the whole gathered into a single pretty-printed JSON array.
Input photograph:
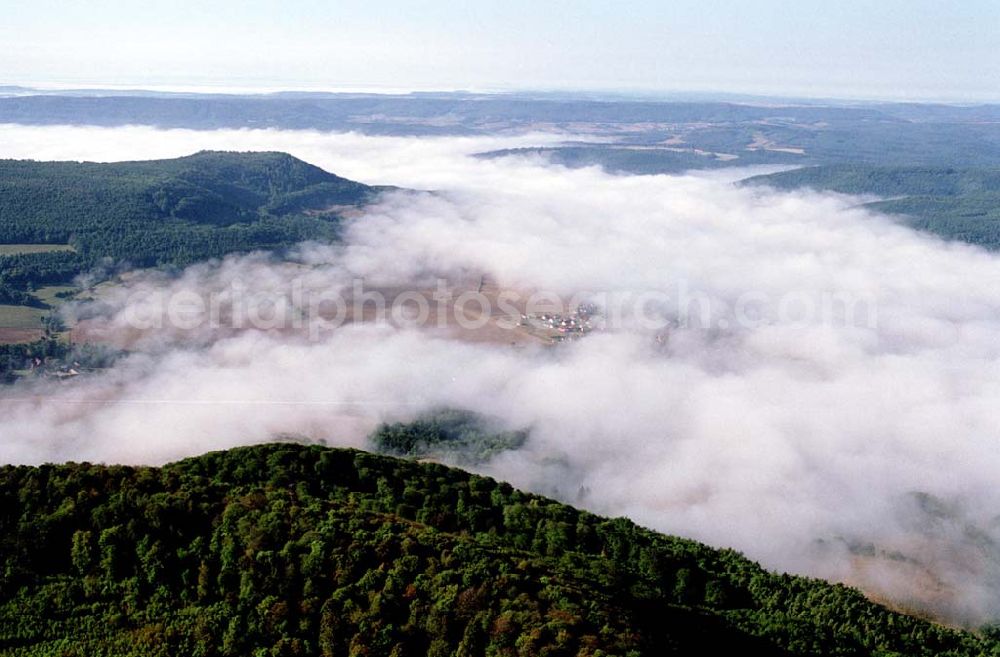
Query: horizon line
[{"x": 600, "y": 94}]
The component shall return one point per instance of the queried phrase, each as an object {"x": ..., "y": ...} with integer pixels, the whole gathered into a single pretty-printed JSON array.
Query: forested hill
[
  {"x": 164, "y": 211},
  {"x": 292, "y": 550},
  {"x": 956, "y": 203}
]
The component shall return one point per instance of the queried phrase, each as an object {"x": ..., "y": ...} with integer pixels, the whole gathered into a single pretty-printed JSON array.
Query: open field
[
  {"x": 19, "y": 335},
  {"x": 24, "y": 249},
  {"x": 24, "y": 323},
  {"x": 48, "y": 293},
  {"x": 20, "y": 317}
]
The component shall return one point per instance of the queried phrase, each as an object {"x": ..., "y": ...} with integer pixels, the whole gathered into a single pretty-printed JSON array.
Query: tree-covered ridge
[
  {"x": 888, "y": 180},
  {"x": 956, "y": 203},
  {"x": 160, "y": 212},
  {"x": 302, "y": 550}
]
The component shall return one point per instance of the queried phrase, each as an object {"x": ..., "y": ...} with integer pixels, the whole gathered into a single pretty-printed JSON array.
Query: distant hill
[
  {"x": 646, "y": 160},
  {"x": 403, "y": 114},
  {"x": 161, "y": 212},
  {"x": 817, "y": 133},
  {"x": 956, "y": 203},
  {"x": 286, "y": 549}
]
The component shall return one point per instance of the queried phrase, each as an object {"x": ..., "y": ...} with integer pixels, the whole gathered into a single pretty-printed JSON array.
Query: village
[{"x": 557, "y": 327}]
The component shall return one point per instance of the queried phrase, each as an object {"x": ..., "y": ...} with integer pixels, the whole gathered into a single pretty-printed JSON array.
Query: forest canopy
[
  {"x": 162, "y": 212},
  {"x": 955, "y": 203},
  {"x": 286, "y": 549}
]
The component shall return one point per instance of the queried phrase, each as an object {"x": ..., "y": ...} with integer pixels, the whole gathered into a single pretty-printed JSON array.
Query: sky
[{"x": 890, "y": 49}]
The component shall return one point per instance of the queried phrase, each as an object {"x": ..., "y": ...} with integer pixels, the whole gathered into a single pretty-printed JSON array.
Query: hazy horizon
[
  {"x": 914, "y": 51},
  {"x": 581, "y": 94}
]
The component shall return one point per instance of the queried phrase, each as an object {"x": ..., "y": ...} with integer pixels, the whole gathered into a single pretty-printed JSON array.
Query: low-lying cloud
[{"x": 858, "y": 444}]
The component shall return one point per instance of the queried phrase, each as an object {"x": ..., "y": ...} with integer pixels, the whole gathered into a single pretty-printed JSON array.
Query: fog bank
[{"x": 822, "y": 395}]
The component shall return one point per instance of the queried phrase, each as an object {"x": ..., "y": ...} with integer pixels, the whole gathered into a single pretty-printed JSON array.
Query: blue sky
[{"x": 920, "y": 49}]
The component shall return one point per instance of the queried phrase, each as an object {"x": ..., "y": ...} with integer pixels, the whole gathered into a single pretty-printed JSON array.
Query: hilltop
[
  {"x": 62, "y": 219},
  {"x": 162, "y": 212},
  {"x": 285, "y": 549}
]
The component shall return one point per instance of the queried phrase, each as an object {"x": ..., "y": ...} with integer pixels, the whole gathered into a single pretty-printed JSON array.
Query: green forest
[
  {"x": 955, "y": 203},
  {"x": 161, "y": 212},
  {"x": 289, "y": 549},
  {"x": 456, "y": 435}
]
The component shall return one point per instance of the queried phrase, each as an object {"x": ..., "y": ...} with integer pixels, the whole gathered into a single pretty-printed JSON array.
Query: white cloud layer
[{"x": 792, "y": 439}]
